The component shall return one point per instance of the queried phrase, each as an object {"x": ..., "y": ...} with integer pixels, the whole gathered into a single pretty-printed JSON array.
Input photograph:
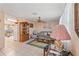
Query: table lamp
[{"x": 59, "y": 33}]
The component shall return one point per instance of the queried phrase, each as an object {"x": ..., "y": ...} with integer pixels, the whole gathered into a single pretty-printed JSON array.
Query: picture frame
[{"x": 31, "y": 25}]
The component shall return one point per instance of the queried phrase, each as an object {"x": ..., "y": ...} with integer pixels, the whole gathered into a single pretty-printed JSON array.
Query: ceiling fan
[{"x": 39, "y": 20}]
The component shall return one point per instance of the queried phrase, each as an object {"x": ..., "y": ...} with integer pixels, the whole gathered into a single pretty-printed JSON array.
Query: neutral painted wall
[
  {"x": 48, "y": 26},
  {"x": 67, "y": 19},
  {"x": 1, "y": 29}
]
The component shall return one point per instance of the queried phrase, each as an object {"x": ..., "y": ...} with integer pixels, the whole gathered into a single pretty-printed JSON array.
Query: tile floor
[{"x": 14, "y": 48}]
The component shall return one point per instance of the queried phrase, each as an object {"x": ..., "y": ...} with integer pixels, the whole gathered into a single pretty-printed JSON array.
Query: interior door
[{"x": 77, "y": 18}]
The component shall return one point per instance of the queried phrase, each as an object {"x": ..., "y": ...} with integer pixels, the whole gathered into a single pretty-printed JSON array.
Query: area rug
[{"x": 37, "y": 44}]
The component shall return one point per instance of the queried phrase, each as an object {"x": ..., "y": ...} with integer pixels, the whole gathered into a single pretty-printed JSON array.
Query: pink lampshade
[{"x": 60, "y": 33}]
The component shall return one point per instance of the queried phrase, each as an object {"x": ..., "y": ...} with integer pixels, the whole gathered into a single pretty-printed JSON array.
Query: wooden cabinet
[
  {"x": 24, "y": 31},
  {"x": 76, "y": 7}
]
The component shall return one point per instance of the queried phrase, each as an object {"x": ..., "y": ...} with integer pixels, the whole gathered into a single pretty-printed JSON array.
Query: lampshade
[{"x": 60, "y": 32}]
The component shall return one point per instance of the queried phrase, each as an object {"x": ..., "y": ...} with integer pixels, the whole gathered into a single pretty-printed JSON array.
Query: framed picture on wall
[{"x": 31, "y": 25}]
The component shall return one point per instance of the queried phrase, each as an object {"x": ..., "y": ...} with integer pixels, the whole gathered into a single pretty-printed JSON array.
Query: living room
[{"x": 32, "y": 27}]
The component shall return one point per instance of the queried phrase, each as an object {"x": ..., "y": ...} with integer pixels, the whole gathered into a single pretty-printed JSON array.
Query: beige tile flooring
[{"x": 14, "y": 48}]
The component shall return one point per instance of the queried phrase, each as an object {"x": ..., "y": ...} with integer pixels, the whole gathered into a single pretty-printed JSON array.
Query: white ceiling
[{"x": 30, "y": 10}]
